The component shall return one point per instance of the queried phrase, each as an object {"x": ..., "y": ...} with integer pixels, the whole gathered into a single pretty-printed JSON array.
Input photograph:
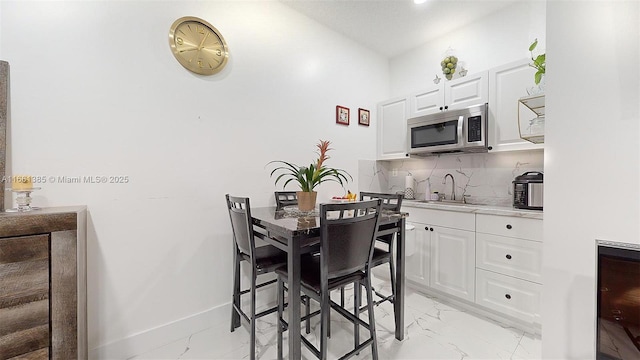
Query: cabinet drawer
[
  {"x": 522, "y": 228},
  {"x": 514, "y": 257},
  {"x": 510, "y": 296},
  {"x": 24, "y": 295},
  {"x": 450, "y": 219}
]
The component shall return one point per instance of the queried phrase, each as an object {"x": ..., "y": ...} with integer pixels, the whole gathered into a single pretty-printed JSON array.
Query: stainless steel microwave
[{"x": 454, "y": 131}]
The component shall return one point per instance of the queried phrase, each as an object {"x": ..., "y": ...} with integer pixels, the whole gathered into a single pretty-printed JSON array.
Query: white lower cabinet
[
  {"x": 453, "y": 262},
  {"x": 509, "y": 265},
  {"x": 492, "y": 262},
  {"x": 513, "y": 257},
  {"x": 417, "y": 266},
  {"x": 445, "y": 252},
  {"x": 508, "y": 295}
]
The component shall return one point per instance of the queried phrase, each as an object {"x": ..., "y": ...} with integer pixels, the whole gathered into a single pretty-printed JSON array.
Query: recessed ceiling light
[{"x": 419, "y": 1}]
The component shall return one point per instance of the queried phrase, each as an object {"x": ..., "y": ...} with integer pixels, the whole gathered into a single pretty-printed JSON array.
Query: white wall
[
  {"x": 494, "y": 40},
  {"x": 96, "y": 92},
  {"x": 592, "y": 183}
]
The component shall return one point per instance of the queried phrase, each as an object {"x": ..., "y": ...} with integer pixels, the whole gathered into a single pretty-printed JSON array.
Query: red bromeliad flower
[{"x": 323, "y": 146}]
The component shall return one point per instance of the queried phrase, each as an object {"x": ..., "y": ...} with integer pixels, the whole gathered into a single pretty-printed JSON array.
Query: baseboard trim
[{"x": 153, "y": 338}]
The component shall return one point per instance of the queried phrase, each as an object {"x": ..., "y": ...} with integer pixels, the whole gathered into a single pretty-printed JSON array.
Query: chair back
[
  {"x": 389, "y": 201},
  {"x": 285, "y": 198},
  {"x": 347, "y": 236},
  {"x": 240, "y": 215}
]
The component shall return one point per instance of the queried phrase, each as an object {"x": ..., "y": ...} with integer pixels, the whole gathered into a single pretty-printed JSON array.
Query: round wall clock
[{"x": 198, "y": 46}]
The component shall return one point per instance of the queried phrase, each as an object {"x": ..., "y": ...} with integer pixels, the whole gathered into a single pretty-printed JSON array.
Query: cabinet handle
[
  {"x": 508, "y": 256},
  {"x": 440, "y": 107},
  {"x": 507, "y": 296},
  {"x": 446, "y": 107},
  {"x": 426, "y": 228},
  {"x": 509, "y": 226},
  {"x": 431, "y": 229}
]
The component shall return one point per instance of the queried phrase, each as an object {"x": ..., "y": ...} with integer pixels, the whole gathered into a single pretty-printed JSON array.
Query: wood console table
[{"x": 43, "y": 284}]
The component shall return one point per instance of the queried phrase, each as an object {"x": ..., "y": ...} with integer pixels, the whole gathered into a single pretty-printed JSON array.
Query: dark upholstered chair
[
  {"x": 347, "y": 238},
  {"x": 285, "y": 198},
  {"x": 262, "y": 260},
  {"x": 384, "y": 255}
]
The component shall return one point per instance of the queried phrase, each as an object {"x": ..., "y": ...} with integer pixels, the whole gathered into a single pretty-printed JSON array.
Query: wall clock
[{"x": 198, "y": 46}]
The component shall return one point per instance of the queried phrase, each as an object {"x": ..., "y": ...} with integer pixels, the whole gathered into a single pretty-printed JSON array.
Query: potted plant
[
  {"x": 309, "y": 177},
  {"x": 539, "y": 62}
]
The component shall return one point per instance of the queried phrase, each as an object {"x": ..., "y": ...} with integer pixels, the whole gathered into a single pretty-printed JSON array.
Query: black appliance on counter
[{"x": 528, "y": 191}]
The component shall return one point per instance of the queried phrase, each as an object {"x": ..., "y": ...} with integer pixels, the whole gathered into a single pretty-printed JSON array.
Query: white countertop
[{"x": 472, "y": 208}]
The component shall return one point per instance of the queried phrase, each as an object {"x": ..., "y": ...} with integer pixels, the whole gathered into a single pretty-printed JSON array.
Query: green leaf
[
  {"x": 539, "y": 61},
  {"x": 538, "y": 76},
  {"x": 533, "y": 45}
]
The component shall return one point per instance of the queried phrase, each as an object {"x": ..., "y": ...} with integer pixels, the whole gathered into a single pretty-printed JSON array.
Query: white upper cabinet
[
  {"x": 428, "y": 101},
  {"x": 507, "y": 84},
  {"x": 392, "y": 129},
  {"x": 450, "y": 95}
]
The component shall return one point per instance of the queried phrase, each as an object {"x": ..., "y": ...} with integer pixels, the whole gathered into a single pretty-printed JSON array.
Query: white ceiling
[{"x": 392, "y": 27}]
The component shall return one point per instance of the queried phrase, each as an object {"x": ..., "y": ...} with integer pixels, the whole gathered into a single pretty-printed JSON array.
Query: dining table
[{"x": 295, "y": 232}]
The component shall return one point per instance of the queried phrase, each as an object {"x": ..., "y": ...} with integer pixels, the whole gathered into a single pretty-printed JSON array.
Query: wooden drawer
[
  {"x": 514, "y": 257},
  {"x": 510, "y": 296},
  {"x": 522, "y": 228},
  {"x": 24, "y": 299},
  {"x": 450, "y": 219}
]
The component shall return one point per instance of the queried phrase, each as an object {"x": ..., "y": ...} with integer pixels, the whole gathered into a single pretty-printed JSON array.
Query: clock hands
[{"x": 202, "y": 42}]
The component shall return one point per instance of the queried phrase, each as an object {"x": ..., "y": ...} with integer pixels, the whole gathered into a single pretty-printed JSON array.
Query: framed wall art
[
  {"x": 342, "y": 115},
  {"x": 363, "y": 117}
]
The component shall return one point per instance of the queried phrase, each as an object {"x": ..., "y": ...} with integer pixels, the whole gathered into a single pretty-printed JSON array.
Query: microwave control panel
[{"x": 474, "y": 129}]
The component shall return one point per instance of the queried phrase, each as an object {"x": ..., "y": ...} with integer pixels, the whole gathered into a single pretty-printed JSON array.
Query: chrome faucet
[{"x": 453, "y": 185}]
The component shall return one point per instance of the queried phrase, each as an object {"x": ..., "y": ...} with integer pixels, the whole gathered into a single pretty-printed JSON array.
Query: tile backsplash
[{"x": 482, "y": 178}]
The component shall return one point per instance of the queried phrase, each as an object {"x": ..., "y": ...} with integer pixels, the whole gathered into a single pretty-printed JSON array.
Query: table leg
[
  {"x": 398, "y": 302},
  {"x": 293, "y": 259}
]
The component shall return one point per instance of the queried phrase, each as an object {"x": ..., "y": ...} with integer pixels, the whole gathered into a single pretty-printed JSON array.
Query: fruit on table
[{"x": 349, "y": 196}]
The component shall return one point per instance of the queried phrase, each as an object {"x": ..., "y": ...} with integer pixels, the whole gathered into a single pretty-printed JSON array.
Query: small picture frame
[
  {"x": 363, "y": 117},
  {"x": 342, "y": 115}
]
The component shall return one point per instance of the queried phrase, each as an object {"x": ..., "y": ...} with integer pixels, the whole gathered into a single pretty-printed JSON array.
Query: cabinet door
[
  {"x": 466, "y": 91},
  {"x": 24, "y": 297},
  {"x": 429, "y": 101},
  {"x": 392, "y": 129},
  {"x": 507, "y": 84},
  {"x": 453, "y": 262},
  {"x": 417, "y": 265}
]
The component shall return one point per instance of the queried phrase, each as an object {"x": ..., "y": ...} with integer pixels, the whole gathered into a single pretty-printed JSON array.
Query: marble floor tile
[{"x": 434, "y": 330}]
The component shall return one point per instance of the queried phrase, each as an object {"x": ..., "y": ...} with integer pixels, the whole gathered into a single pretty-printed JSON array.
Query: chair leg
[
  {"x": 280, "y": 325},
  {"x": 252, "y": 343},
  {"x": 325, "y": 308},
  {"x": 392, "y": 273},
  {"x": 235, "y": 298},
  {"x": 372, "y": 320},
  {"x": 329, "y": 323},
  {"x": 357, "y": 293},
  {"x": 307, "y": 307}
]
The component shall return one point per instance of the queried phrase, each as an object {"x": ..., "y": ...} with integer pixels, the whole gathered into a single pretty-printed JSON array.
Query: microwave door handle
[{"x": 460, "y": 130}]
